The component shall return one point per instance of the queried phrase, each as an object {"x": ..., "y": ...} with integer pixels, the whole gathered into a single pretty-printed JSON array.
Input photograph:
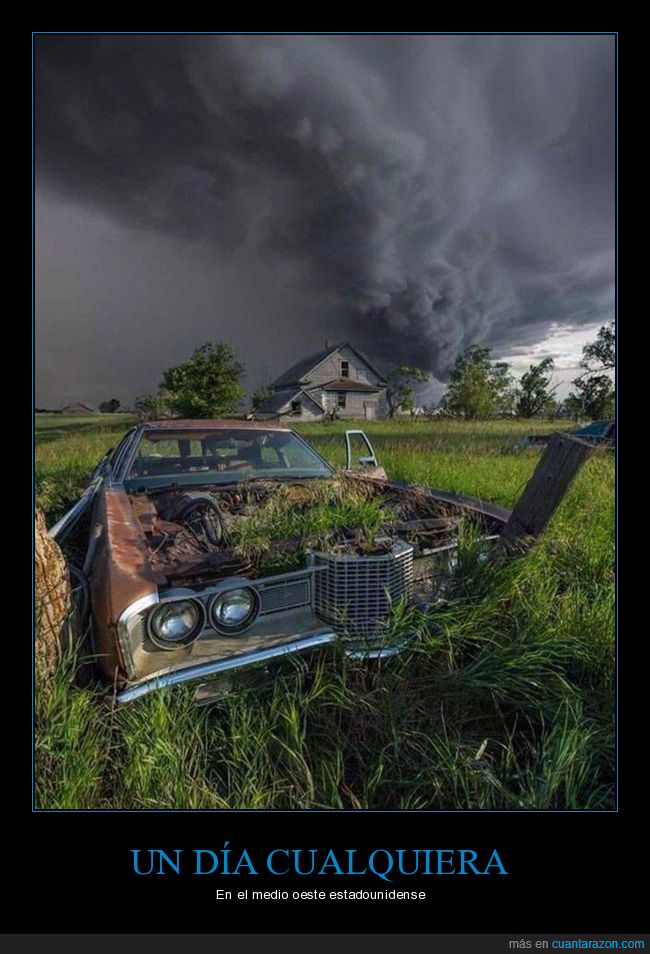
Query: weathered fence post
[
  {"x": 558, "y": 466},
  {"x": 53, "y": 599}
]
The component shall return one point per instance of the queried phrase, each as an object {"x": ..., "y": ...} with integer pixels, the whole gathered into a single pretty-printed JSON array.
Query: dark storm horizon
[{"x": 409, "y": 194}]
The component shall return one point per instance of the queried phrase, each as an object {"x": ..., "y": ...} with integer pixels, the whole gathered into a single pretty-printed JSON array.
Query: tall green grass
[{"x": 504, "y": 699}]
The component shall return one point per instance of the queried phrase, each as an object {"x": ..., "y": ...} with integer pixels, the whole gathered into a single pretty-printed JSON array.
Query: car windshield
[{"x": 221, "y": 456}]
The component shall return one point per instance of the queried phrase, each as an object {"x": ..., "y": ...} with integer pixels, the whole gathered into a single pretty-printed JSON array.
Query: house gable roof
[
  {"x": 282, "y": 396},
  {"x": 297, "y": 373},
  {"x": 78, "y": 406}
]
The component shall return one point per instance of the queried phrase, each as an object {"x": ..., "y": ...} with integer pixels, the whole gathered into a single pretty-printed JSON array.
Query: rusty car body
[{"x": 173, "y": 601}]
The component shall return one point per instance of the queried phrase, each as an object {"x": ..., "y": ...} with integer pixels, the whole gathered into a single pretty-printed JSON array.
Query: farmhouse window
[
  {"x": 296, "y": 407},
  {"x": 340, "y": 398},
  {"x": 345, "y": 369}
]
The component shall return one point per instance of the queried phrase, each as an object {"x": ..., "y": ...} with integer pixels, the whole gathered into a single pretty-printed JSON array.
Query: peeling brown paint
[{"x": 121, "y": 572}]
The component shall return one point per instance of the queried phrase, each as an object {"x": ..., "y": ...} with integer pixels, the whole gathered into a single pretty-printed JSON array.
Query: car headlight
[
  {"x": 234, "y": 610},
  {"x": 177, "y": 623}
]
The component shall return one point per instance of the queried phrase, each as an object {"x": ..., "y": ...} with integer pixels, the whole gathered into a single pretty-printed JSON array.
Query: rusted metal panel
[{"x": 121, "y": 572}]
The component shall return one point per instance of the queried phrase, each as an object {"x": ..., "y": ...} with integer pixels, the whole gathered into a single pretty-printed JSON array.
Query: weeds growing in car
[
  {"x": 306, "y": 517},
  {"x": 503, "y": 699}
]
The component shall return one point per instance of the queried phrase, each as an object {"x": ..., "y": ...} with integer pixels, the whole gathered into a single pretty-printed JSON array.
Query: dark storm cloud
[{"x": 419, "y": 193}]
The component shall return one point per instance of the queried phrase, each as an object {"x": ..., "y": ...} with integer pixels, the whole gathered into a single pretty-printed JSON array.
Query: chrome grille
[
  {"x": 358, "y": 592},
  {"x": 285, "y": 595}
]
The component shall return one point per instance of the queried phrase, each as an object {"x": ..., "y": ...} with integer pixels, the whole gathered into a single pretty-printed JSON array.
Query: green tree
[
  {"x": 208, "y": 384},
  {"x": 477, "y": 387},
  {"x": 109, "y": 407},
  {"x": 600, "y": 355},
  {"x": 572, "y": 407},
  {"x": 535, "y": 393},
  {"x": 594, "y": 390},
  {"x": 152, "y": 407},
  {"x": 503, "y": 387},
  {"x": 400, "y": 388},
  {"x": 554, "y": 409},
  {"x": 596, "y": 396},
  {"x": 258, "y": 397}
]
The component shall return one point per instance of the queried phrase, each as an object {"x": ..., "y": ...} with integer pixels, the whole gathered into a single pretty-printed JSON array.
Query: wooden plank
[{"x": 554, "y": 474}]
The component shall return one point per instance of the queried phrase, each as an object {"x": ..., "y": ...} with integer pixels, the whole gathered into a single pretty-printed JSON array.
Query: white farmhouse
[{"x": 338, "y": 377}]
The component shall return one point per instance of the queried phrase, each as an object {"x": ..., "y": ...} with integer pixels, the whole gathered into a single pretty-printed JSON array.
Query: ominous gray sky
[{"x": 410, "y": 194}]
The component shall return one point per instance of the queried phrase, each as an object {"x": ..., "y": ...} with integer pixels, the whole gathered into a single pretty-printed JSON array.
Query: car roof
[
  {"x": 596, "y": 428},
  {"x": 209, "y": 424}
]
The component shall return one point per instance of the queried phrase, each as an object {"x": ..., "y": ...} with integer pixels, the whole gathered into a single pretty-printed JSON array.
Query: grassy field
[{"x": 505, "y": 699}]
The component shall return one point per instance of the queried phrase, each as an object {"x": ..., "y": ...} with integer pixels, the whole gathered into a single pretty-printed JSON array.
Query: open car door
[{"x": 360, "y": 458}]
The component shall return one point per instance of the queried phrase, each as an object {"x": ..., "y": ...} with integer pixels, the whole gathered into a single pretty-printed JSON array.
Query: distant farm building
[
  {"x": 78, "y": 407},
  {"x": 336, "y": 380}
]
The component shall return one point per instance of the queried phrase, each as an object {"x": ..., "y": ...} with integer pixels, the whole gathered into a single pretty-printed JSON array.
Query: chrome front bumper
[
  {"x": 287, "y": 624},
  {"x": 215, "y": 667}
]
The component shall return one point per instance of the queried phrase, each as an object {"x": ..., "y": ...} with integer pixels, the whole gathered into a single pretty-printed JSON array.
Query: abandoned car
[
  {"x": 598, "y": 433},
  {"x": 210, "y": 546}
]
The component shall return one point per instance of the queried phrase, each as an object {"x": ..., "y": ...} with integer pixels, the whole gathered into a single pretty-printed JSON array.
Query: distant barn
[
  {"x": 338, "y": 379},
  {"x": 78, "y": 407}
]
